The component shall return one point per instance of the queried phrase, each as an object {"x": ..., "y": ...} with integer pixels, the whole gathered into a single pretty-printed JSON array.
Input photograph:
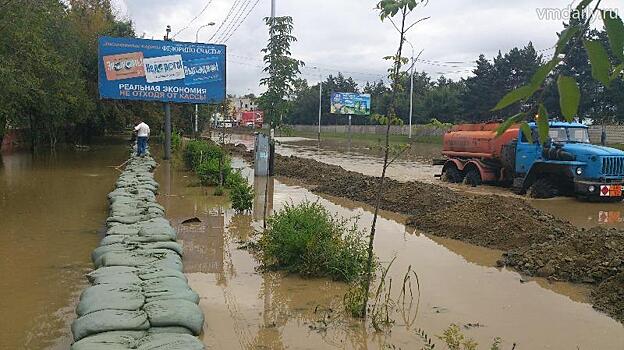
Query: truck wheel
[
  {"x": 543, "y": 188},
  {"x": 452, "y": 174},
  {"x": 473, "y": 178}
]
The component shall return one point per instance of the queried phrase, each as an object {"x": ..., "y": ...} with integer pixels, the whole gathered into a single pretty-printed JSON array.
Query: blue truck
[{"x": 567, "y": 164}]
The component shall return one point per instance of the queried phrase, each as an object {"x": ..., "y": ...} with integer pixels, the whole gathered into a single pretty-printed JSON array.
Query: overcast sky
[{"x": 347, "y": 35}]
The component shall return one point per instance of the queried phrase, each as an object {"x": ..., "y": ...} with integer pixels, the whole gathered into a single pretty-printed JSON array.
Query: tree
[
  {"x": 605, "y": 69},
  {"x": 388, "y": 9},
  {"x": 281, "y": 68}
]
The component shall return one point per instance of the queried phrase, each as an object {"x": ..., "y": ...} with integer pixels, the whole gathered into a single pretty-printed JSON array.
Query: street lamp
[
  {"x": 320, "y": 101},
  {"x": 197, "y": 106},
  {"x": 411, "y": 109}
]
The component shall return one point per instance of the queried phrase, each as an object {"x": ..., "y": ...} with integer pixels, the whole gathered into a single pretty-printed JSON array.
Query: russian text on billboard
[{"x": 155, "y": 70}]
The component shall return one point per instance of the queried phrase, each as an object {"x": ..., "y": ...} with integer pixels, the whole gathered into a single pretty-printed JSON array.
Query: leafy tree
[
  {"x": 605, "y": 69},
  {"x": 281, "y": 68}
]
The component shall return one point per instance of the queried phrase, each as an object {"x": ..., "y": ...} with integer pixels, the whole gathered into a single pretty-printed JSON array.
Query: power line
[
  {"x": 237, "y": 16},
  {"x": 241, "y": 22},
  {"x": 194, "y": 18},
  {"x": 226, "y": 19}
]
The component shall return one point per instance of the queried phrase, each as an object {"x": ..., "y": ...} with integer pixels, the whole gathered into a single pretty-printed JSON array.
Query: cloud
[{"x": 348, "y": 36}]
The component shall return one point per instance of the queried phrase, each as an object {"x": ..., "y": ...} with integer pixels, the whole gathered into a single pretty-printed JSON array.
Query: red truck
[{"x": 248, "y": 119}]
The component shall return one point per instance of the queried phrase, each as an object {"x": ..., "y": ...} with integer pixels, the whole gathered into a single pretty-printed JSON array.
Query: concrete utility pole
[
  {"x": 272, "y": 8},
  {"x": 320, "y": 110},
  {"x": 411, "y": 109},
  {"x": 167, "y": 115},
  {"x": 196, "y": 129}
]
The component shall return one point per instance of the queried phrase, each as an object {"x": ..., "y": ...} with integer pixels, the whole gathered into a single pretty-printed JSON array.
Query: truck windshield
[
  {"x": 558, "y": 134},
  {"x": 580, "y": 135}
]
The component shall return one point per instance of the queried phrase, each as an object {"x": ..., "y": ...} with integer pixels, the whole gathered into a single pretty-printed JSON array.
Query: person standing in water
[{"x": 143, "y": 132}]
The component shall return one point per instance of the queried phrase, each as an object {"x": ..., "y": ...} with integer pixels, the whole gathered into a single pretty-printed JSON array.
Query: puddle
[
  {"x": 584, "y": 214},
  {"x": 50, "y": 209},
  {"x": 246, "y": 309}
]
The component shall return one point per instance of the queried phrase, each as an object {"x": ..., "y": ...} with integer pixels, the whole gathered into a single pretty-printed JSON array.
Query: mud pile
[
  {"x": 139, "y": 298},
  {"x": 537, "y": 243}
]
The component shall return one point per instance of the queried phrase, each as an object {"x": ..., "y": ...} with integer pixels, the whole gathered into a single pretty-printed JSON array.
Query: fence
[
  {"x": 417, "y": 130},
  {"x": 615, "y": 133}
]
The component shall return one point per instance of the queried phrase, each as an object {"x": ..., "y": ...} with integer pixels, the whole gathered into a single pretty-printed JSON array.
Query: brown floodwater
[
  {"x": 249, "y": 309},
  {"x": 51, "y": 207},
  {"x": 416, "y": 165}
]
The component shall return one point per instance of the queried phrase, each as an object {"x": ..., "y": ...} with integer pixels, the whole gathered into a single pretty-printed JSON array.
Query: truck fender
[
  {"x": 453, "y": 162},
  {"x": 487, "y": 174},
  {"x": 539, "y": 169}
]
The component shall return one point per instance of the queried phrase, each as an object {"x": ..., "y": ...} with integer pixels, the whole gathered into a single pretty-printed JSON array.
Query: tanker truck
[{"x": 566, "y": 164}]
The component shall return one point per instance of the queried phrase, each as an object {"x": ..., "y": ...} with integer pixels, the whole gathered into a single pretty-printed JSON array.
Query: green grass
[{"x": 306, "y": 239}]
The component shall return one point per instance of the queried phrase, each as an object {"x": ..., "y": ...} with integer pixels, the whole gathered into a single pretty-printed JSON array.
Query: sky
[{"x": 347, "y": 35}]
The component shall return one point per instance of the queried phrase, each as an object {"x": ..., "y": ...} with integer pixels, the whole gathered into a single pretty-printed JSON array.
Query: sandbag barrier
[{"x": 139, "y": 298}]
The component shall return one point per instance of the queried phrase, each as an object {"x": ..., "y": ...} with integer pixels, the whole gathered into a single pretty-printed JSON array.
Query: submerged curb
[{"x": 139, "y": 297}]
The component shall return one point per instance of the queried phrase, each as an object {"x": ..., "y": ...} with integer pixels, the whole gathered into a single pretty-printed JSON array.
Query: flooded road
[
  {"x": 415, "y": 165},
  {"x": 50, "y": 209},
  {"x": 246, "y": 309}
]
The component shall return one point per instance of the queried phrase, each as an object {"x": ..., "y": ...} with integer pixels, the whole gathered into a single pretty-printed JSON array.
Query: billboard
[
  {"x": 350, "y": 103},
  {"x": 156, "y": 70}
]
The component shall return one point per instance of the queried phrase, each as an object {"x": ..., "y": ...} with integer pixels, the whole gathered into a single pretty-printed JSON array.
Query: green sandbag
[
  {"x": 157, "y": 226},
  {"x": 150, "y": 273},
  {"x": 119, "y": 279},
  {"x": 123, "y": 230},
  {"x": 162, "y": 258},
  {"x": 170, "y": 342},
  {"x": 131, "y": 246},
  {"x": 175, "y": 313},
  {"x": 104, "y": 272},
  {"x": 127, "y": 220},
  {"x": 170, "y": 330},
  {"x": 113, "y": 239},
  {"x": 114, "y": 340},
  {"x": 109, "y": 320},
  {"x": 168, "y": 288},
  {"x": 110, "y": 297}
]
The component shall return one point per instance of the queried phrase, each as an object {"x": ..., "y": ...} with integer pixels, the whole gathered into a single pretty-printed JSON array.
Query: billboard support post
[
  {"x": 167, "y": 115},
  {"x": 350, "y": 128},
  {"x": 167, "y": 131}
]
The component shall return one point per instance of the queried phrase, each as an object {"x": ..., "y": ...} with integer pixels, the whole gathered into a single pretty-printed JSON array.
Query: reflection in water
[
  {"x": 50, "y": 209},
  {"x": 250, "y": 309},
  {"x": 264, "y": 187}
]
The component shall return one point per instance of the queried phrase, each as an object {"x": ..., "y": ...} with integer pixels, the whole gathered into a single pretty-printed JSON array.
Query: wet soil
[
  {"x": 537, "y": 243},
  {"x": 247, "y": 308}
]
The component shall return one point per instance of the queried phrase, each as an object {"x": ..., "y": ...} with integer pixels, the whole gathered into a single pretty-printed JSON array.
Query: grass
[
  {"x": 209, "y": 161},
  {"x": 306, "y": 239}
]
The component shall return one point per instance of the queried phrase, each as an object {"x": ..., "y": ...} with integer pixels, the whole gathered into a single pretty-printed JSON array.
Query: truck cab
[{"x": 567, "y": 164}]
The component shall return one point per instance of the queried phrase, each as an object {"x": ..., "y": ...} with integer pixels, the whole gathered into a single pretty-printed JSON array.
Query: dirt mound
[
  {"x": 609, "y": 297},
  {"x": 411, "y": 198},
  {"x": 492, "y": 221}
]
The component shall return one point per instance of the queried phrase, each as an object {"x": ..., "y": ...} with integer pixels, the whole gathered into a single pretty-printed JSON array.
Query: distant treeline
[{"x": 469, "y": 99}]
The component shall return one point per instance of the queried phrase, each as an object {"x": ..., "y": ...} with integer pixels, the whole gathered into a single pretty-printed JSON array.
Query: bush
[
  {"x": 242, "y": 196},
  {"x": 208, "y": 171},
  {"x": 203, "y": 157},
  {"x": 306, "y": 239},
  {"x": 176, "y": 141},
  {"x": 197, "y": 151},
  {"x": 235, "y": 179}
]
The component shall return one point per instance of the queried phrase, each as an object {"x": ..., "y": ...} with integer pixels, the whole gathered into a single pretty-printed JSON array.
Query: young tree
[
  {"x": 281, "y": 68},
  {"x": 389, "y": 9},
  {"x": 606, "y": 70}
]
